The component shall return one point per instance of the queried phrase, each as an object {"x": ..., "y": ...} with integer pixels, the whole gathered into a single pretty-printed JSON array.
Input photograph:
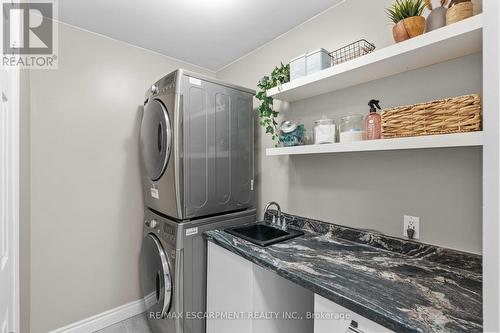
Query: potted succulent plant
[
  {"x": 407, "y": 18},
  {"x": 437, "y": 16}
]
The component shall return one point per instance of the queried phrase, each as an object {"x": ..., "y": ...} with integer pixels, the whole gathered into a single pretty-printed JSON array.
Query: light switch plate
[{"x": 411, "y": 222}]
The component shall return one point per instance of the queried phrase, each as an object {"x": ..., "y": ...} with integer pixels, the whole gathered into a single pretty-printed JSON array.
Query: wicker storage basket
[
  {"x": 459, "y": 12},
  {"x": 452, "y": 115}
]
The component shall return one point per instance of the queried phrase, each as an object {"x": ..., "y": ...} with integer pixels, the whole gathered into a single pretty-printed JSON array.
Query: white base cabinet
[
  {"x": 235, "y": 285},
  {"x": 237, "y": 289},
  {"x": 333, "y": 318}
]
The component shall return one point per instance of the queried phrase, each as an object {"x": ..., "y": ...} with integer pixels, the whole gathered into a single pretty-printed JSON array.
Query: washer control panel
[
  {"x": 151, "y": 224},
  {"x": 163, "y": 230},
  {"x": 169, "y": 233}
]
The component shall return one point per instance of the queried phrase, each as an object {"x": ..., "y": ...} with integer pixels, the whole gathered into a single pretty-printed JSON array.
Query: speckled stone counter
[{"x": 402, "y": 285}]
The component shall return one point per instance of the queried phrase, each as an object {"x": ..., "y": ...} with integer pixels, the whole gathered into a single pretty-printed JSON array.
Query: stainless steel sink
[{"x": 263, "y": 234}]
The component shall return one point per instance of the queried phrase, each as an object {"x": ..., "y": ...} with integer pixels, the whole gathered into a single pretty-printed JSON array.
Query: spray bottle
[{"x": 373, "y": 122}]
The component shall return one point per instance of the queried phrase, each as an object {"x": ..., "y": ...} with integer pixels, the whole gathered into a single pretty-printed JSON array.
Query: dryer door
[
  {"x": 156, "y": 280},
  {"x": 156, "y": 138}
]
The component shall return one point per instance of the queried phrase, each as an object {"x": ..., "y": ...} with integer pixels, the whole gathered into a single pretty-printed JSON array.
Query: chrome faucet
[{"x": 279, "y": 223}]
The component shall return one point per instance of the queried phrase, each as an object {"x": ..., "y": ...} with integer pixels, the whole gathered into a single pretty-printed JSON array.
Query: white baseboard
[{"x": 105, "y": 319}]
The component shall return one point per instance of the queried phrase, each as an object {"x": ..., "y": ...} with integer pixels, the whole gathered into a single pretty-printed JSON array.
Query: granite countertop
[{"x": 402, "y": 285}]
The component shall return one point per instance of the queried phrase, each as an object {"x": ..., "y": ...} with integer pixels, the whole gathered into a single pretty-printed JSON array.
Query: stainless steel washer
[{"x": 173, "y": 269}]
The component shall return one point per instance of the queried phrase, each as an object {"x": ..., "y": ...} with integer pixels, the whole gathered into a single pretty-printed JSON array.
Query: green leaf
[
  {"x": 403, "y": 9},
  {"x": 279, "y": 75}
]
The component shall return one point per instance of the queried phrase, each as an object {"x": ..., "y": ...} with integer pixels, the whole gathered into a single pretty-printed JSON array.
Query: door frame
[
  {"x": 16, "y": 149},
  {"x": 491, "y": 166},
  {"x": 12, "y": 164}
]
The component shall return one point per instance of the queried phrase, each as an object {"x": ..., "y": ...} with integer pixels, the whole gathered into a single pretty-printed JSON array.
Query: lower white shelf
[{"x": 418, "y": 142}]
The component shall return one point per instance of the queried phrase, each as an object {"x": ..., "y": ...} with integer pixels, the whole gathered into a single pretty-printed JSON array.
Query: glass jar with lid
[
  {"x": 325, "y": 131},
  {"x": 351, "y": 128},
  {"x": 291, "y": 133}
]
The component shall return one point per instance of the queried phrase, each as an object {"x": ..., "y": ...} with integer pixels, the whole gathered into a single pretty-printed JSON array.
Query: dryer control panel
[{"x": 163, "y": 87}]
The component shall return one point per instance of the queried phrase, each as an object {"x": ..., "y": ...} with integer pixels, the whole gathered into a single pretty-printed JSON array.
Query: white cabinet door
[
  {"x": 289, "y": 302},
  {"x": 333, "y": 318},
  {"x": 235, "y": 284},
  {"x": 229, "y": 290}
]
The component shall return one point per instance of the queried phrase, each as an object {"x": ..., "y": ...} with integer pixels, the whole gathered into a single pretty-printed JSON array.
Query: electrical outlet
[{"x": 411, "y": 222}]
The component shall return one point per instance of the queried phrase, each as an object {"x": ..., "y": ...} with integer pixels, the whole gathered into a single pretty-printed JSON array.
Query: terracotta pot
[
  {"x": 408, "y": 28},
  {"x": 436, "y": 19}
]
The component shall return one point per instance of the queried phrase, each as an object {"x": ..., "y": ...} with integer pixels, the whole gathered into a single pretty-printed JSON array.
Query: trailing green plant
[
  {"x": 279, "y": 75},
  {"x": 403, "y": 9}
]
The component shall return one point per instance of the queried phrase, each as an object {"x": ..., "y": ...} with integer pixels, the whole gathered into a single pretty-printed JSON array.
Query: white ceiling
[{"x": 207, "y": 33}]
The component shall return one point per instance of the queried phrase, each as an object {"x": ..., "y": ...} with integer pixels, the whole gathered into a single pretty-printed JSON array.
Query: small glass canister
[
  {"x": 291, "y": 133},
  {"x": 325, "y": 131},
  {"x": 351, "y": 128}
]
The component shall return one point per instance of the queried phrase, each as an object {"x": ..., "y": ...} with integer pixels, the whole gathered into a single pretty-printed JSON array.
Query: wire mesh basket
[{"x": 351, "y": 51}]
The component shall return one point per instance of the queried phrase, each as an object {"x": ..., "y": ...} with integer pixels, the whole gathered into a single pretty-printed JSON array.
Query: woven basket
[
  {"x": 452, "y": 115},
  {"x": 459, "y": 12}
]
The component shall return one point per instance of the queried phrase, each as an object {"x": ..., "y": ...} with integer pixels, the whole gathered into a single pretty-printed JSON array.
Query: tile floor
[{"x": 137, "y": 324}]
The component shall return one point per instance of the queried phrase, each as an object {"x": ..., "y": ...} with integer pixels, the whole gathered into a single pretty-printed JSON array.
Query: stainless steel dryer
[
  {"x": 197, "y": 146},
  {"x": 173, "y": 269}
]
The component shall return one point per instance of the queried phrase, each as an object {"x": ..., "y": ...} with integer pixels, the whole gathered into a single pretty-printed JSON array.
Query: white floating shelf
[
  {"x": 419, "y": 142},
  {"x": 450, "y": 42}
]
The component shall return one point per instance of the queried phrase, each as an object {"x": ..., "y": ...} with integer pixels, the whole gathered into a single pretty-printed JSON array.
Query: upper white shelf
[
  {"x": 450, "y": 42},
  {"x": 419, "y": 142}
]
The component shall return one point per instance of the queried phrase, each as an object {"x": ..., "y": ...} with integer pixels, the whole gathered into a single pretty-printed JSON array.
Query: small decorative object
[
  {"x": 292, "y": 134},
  {"x": 452, "y": 115},
  {"x": 317, "y": 60},
  {"x": 325, "y": 131},
  {"x": 351, "y": 51},
  {"x": 437, "y": 16},
  {"x": 407, "y": 18},
  {"x": 351, "y": 128},
  {"x": 267, "y": 113},
  {"x": 459, "y": 10}
]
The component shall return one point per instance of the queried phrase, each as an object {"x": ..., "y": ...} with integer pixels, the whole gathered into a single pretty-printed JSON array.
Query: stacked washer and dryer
[{"x": 197, "y": 151}]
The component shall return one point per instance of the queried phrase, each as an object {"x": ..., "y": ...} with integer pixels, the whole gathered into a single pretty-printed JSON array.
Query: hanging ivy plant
[{"x": 267, "y": 113}]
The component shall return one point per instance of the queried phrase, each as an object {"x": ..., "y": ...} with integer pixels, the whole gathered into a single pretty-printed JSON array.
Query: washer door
[
  {"x": 156, "y": 138},
  {"x": 155, "y": 277}
]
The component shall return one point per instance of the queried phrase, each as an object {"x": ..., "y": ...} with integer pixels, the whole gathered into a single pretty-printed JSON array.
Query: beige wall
[
  {"x": 86, "y": 201},
  {"x": 373, "y": 189}
]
